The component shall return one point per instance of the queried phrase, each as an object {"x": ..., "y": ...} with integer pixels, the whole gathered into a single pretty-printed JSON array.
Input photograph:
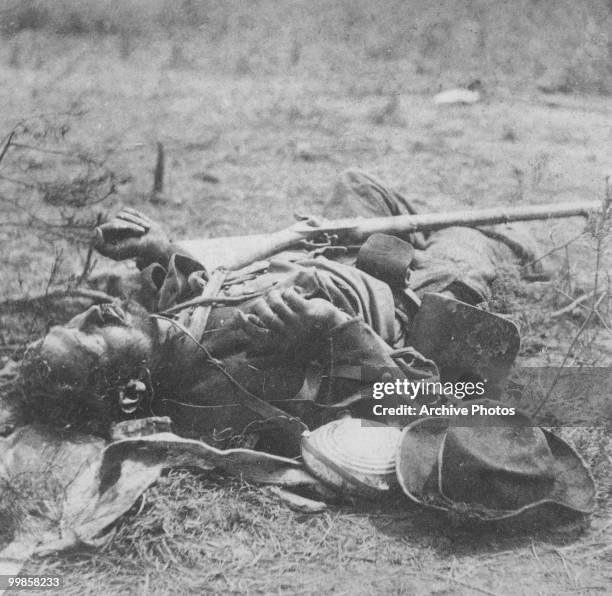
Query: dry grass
[
  {"x": 567, "y": 42},
  {"x": 215, "y": 535},
  {"x": 258, "y": 108}
]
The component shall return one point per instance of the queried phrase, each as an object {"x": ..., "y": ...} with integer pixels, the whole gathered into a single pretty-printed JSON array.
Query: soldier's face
[{"x": 105, "y": 342}]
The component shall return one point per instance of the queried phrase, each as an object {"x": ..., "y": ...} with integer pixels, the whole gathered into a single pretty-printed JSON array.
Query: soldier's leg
[
  {"x": 359, "y": 194},
  {"x": 462, "y": 262},
  {"x": 466, "y": 261}
]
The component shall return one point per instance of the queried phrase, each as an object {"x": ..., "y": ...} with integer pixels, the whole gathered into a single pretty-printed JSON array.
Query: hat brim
[
  {"x": 420, "y": 452},
  {"x": 416, "y": 461}
]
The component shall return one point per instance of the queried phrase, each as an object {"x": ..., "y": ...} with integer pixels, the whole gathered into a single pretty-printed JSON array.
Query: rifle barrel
[
  {"x": 361, "y": 228},
  {"x": 239, "y": 251}
]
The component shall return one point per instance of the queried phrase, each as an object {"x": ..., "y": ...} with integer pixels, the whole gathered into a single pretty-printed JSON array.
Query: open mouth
[
  {"x": 6, "y": 428},
  {"x": 113, "y": 314}
]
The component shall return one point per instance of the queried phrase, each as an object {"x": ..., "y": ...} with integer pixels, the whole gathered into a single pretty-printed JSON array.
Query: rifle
[{"x": 238, "y": 251}]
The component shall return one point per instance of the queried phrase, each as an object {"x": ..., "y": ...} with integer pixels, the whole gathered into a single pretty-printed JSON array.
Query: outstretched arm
[{"x": 132, "y": 235}]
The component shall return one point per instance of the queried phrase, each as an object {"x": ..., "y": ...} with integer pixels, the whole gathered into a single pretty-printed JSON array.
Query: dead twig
[
  {"x": 41, "y": 149},
  {"x": 18, "y": 182},
  {"x": 94, "y": 295},
  {"x": 35, "y": 220},
  {"x": 158, "y": 174},
  {"x": 87, "y": 266},
  {"x": 459, "y": 582},
  {"x": 555, "y": 249},
  {"x": 599, "y": 235},
  {"x": 57, "y": 262},
  {"x": 297, "y": 502},
  {"x": 579, "y": 304},
  {"x": 567, "y": 355},
  {"x": 572, "y": 305},
  {"x": 6, "y": 144}
]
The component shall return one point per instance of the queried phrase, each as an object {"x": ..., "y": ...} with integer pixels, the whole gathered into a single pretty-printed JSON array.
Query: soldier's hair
[
  {"x": 54, "y": 401},
  {"x": 91, "y": 406}
]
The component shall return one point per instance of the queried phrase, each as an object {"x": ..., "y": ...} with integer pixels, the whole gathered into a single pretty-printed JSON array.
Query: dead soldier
[
  {"x": 296, "y": 331},
  {"x": 254, "y": 356}
]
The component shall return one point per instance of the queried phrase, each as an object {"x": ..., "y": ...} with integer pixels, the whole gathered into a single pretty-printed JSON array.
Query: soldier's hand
[
  {"x": 291, "y": 316},
  {"x": 131, "y": 235}
]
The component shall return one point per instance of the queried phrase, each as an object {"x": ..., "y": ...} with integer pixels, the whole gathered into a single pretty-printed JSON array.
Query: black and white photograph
[{"x": 306, "y": 297}]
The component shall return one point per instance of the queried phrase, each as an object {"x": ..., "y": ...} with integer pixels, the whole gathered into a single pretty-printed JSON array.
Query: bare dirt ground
[{"x": 254, "y": 128}]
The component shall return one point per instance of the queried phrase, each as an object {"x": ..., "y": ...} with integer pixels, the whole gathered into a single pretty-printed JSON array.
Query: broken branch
[{"x": 95, "y": 296}]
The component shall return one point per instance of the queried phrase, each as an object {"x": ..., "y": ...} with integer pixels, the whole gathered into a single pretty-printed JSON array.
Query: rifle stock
[{"x": 234, "y": 252}]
